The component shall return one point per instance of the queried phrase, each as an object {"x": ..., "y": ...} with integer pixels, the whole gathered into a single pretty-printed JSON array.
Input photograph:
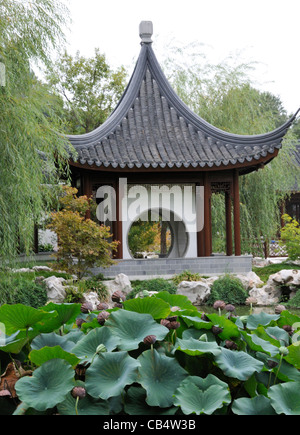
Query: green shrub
[
  {"x": 186, "y": 275},
  {"x": 290, "y": 237},
  {"x": 18, "y": 290},
  {"x": 295, "y": 301},
  {"x": 93, "y": 285},
  {"x": 152, "y": 285},
  {"x": 228, "y": 289}
]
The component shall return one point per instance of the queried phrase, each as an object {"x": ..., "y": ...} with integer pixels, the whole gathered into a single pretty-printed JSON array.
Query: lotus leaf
[
  {"x": 202, "y": 396},
  {"x": 52, "y": 339},
  {"x": 264, "y": 319},
  {"x": 48, "y": 386},
  {"x": 110, "y": 373},
  {"x": 285, "y": 398},
  {"x": 86, "y": 348},
  {"x": 47, "y": 353},
  {"x": 21, "y": 317},
  {"x": 238, "y": 365},
  {"x": 197, "y": 347},
  {"x": 180, "y": 301},
  {"x": 132, "y": 328},
  {"x": 149, "y": 305},
  {"x": 159, "y": 375},
  {"x": 258, "y": 405},
  {"x": 135, "y": 404}
]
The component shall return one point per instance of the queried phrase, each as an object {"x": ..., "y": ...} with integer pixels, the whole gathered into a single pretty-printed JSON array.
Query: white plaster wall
[{"x": 177, "y": 205}]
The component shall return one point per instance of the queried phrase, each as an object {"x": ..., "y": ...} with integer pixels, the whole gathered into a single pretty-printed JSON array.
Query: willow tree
[
  {"x": 31, "y": 152},
  {"x": 225, "y": 96}
]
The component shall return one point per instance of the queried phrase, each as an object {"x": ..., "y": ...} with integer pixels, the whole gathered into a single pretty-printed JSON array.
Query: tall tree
[
  {"x": 224, "y": 96},
  {"x": 31, "y": 152},
  {"x": 89, "y": 87}
]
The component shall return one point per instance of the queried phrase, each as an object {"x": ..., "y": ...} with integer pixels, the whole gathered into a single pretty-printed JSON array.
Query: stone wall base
[{"x": 168, "y": 267}]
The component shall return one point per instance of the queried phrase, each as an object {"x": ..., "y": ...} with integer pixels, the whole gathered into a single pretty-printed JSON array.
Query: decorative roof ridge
[{"x": 148, "y": 60}]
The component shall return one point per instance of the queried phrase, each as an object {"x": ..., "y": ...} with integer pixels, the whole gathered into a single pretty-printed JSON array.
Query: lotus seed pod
[
  {"x": 219, "y": 305},
  {"x": 102, "y": 317},
  {"x": 165, "y": 323},
  {"x": 118, "y": 296},
  {"x": 279, "y": 309},
  {"x": 174, "y": 325},
  {"x": 150, "y": 339},
  {"x": 79, "y": 392},
  {"x": 172, "y": 319},
  {"x": 79, "y": 322},
  {"x": 230, "y": 308},
  {"x": 216, "y": 330},
  {"x": 86, "y": 307},
  {"x": 231, "y": 345},
  {"x": 102, "y": 306}
]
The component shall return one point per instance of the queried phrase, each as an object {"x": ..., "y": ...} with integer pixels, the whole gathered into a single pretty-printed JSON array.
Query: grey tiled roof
[{"x": 152, "y": 127}]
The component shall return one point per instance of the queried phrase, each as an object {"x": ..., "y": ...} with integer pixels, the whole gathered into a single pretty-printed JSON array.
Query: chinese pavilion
[{"x": 153, "y": 139}]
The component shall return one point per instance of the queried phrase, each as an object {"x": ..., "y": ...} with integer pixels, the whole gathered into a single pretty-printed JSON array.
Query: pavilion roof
[{"x": 151, "y": 127}]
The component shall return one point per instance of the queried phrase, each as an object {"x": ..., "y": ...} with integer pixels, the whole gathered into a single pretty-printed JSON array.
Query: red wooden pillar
[
  {"x": 207, "y": 217},
  {"x": 229, "y": 247},
  {"x": 118, "y": 225},
  {"x": 88, "y": 191},
  {"x": 236, "y": 213}
]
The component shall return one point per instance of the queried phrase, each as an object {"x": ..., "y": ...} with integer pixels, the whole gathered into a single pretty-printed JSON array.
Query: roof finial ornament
[{"x": 146, "y": 31}]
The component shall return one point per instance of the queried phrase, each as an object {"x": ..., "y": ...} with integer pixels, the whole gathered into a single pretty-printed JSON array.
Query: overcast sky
[{"x": 267, "y": 31}]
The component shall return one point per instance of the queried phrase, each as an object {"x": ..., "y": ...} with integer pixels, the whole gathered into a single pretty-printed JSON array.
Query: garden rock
[
  {"x": 42, "y": 269},
  {"x": 286, "y": 277},
  {"x": 269, "y": 294},
  {"x": 92, "y": 298},
  {"x": 120, "y": 283},
  {"x": 55, "y": 290},
  {"x": 197, "y": 291},
  {"x": 250, "y": 280}
]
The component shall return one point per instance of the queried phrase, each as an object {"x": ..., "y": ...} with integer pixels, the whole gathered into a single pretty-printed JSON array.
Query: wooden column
[
  {"x": 118, "y": 225},
  {"x": 87, "y": 190},
  {"x": 236, "y": 213},
  {"x": 229, "y": 247},
  {"x": 207, "y": 216}
]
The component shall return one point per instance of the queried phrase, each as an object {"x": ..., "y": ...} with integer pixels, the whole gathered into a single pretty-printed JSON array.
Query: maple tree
[{"x": 82, "y": 243}]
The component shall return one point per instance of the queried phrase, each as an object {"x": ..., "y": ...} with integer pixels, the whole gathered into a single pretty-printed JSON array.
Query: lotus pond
[{"x": 155, "y": 355}]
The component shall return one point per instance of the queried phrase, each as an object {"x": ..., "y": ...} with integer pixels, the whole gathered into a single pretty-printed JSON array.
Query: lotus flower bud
[
  {"x": 101, "y": 349},
  {"x": 283, "y": 351}
]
